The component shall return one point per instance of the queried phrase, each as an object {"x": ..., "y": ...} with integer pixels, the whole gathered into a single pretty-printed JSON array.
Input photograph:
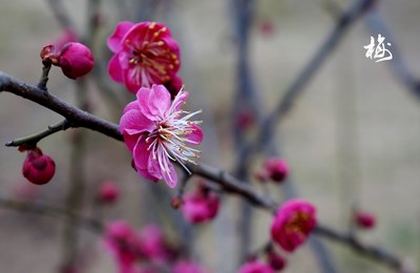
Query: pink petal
[
  {"x": 114, "y": 69},
  {"x": 179, "y": 100},
  {"x": 170, "y": 176},
  {"x": 134, "y": 122},
  {"x": 196, "y": 136},
  {"x": 153, "y": 166},
  {"x": 130, "y": 141},
  {"x": 132, "y": 78},
  {"x": 173, "y": 46},
  {"x": 141, "y": 154},
  {"x": 136, "y": 35},
  {"x": 114, "y": 41},
  {"x": 134, "y": 105},
  {"x": 154, "y": 102}
]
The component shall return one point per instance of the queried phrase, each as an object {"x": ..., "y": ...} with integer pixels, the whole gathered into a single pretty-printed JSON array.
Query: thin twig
[
  {"x": 44, "y": 77},
  {"x": 32, "y": 140}
]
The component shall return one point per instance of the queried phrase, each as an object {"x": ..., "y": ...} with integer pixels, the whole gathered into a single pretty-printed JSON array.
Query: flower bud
[
  {"x": 108, "y": 193},
  {"x": 277, "y": 169},
  {"x": 38, "y": 168},
  {"x": 276, "y": 261},
  {"x": 76, "y": 60},
  {"x": 365, "y": 220}
]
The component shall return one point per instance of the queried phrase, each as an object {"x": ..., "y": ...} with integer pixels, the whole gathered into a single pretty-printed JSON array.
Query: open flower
[
  {"x": 158, "y": 132},
  {"x": 144, "y": 54},
  {"x": 153, "y": 244},
  {"x": 123, "y": 242},
  {"x": 293, "y": 223},
  {"x": 200, "y": 205}
]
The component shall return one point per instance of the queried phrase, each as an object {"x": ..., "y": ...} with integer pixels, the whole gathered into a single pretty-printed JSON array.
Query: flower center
[
  {"x": 156, "y": 58},
  {"x": 297, "y": 223}
]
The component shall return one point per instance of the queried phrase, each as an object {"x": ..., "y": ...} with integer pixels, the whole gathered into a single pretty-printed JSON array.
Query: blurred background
[{"x": 351, "y": 139}]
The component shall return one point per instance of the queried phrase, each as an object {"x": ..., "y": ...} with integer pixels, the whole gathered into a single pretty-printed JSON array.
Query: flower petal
[
  {"x": 179, "y": 100},
  {"x": 141, "y": 156},
  {"x": 134, "y": 122},
  {"x": 196, "y": 136},
  {"x": 114, "y": 69},
  {"x": 114, "y": 41},
  {"x": 130, "y": 140},
  {"x": 132, "y": 78},
  {"x": 134, "y": 105},
  {"x": 154, "y": 102},
  {"x": 171, "y": 177}
]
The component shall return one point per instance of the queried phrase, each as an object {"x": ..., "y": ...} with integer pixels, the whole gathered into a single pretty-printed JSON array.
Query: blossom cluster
[{"x": 146, "y": 250}]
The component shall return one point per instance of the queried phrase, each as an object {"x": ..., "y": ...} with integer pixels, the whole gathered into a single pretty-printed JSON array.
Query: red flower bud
[
  {"x": 76, "y": 60},
  {"x": 38, "y": 168},
  {"x": 108, "y": 193},
  {"x": 276, "y": 261},
  {"x": 365, "y": 220},
  {"x": 277, "y": 169}
]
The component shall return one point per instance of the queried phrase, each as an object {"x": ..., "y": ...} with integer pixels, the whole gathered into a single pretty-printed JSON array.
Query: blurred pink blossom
[
  {"x": 293, "y": 223},
  {"x": 200, "y": 206}
]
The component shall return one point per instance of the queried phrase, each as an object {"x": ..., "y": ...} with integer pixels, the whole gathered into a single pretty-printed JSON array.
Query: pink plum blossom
[
  {"x": 293, "y": 223},
  {"x": 188, "y": 267},
  {"x": 153, "y": 244},
  {"x": 158, "y": 132},
  {"x": 255, "y": 266},
  {"x": 200, "y": 206},
  {"x": 144, "y": 54},
  {"x": 124, "y": 244}
]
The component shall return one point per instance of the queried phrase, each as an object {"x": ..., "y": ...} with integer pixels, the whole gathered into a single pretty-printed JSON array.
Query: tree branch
[
  {"x": 75, "y": 116},
  {"x": 47, "y": 210},
  {"x": 32, "y": 140},
  {"x": 228, "y": 183}
]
